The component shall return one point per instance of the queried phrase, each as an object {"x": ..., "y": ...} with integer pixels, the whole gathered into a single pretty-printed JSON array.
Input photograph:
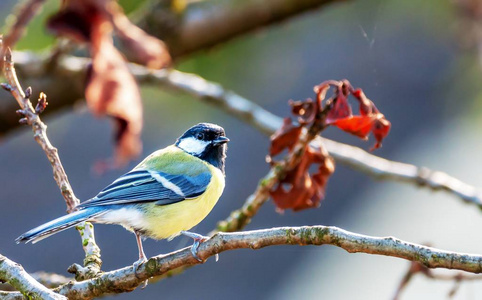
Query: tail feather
[{"x": 45, "y": 230}]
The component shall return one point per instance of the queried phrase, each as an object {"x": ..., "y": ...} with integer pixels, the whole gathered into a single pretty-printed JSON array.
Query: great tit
[{"x": 168, "y": 193}]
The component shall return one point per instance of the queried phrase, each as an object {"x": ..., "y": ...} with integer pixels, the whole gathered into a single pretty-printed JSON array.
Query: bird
[{"x": 165, "y": 195}]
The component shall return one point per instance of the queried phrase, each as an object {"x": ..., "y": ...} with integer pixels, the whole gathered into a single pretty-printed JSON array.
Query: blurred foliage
[{"x": 37, "y": 38}]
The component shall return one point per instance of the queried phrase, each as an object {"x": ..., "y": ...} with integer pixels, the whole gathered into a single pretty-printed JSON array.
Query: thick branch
[
  {"x": 207, "y": 23},
  {"x": 126, "y": 279},
  {"x": 50, "y": 280},
  {"x": 14, "y": 274}
]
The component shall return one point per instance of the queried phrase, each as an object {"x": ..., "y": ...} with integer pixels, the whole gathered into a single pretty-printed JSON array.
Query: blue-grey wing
[{"x": 150, "y": 186}]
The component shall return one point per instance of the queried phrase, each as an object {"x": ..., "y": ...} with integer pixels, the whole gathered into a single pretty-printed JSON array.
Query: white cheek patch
[{"x": 193, "y": 145}]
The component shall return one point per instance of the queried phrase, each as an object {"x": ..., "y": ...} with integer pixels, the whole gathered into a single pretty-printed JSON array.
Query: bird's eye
[{"x": 200, "y": 136}]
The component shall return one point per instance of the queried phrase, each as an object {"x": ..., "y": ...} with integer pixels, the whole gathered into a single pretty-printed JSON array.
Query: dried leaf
[
  {"x": 300, "y": 189},
  {"x": 76, "y": 20},
  {"x": 305, "y": 110},
  {"x": 285, "y": 137},
  {"x": 141, "y": 47},
  {"x": 110, "y": 88}
]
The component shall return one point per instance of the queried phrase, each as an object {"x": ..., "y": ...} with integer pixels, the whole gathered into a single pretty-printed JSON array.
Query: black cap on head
[{"x": 205, "y": 141}]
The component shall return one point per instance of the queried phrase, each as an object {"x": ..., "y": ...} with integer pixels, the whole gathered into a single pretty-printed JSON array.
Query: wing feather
[{"x": 142, "y": 185}]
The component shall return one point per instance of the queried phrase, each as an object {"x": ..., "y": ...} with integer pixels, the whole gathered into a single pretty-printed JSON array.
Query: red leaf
[
  {"x": 381, "y": 128},
  {"x": 299, "y": 189},
  {"x": 369, "y": 120},
  {"x": 357, "y": 125}
]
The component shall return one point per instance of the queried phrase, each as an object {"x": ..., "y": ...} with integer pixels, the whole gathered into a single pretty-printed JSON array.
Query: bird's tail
[{"x": 43, "y": 231}]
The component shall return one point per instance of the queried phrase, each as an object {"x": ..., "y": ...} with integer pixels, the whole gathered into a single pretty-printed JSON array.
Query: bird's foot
[
  {"x": 198, "y": 239},
  {"x": 136, "y": 265}
]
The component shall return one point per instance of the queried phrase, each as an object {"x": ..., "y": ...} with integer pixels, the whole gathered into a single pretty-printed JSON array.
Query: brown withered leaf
[
  {"x": 300, "y": 189},
  {"x": 75, "y": 20},
  {"x": 305, "y": 110},
  {"x": 110, "y": 88},
  {"x": 140, "y": 47},
  {"x": 284, "y": 138}
]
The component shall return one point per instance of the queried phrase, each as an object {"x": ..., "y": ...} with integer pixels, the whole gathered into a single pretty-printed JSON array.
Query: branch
[
  {"x": 126, "y": 279},
  {"x": 14, "y": 274},
  {"x": 33, "y": 67},
  {"x": 207, "y": 23},
  {"x": 31, "y": 117},
  {"x": 50, "y": 280}
]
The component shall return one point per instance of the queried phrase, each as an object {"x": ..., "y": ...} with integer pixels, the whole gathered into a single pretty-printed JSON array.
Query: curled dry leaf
[
  {"x": 299, "y": 189},
  {"x": 304, "y": 186},
  {"x": 284, "y": 138},
  {"x": 369, "y": 120},
  {"x": 110, "y": 88},
  {"x": 141, "y": 47}
]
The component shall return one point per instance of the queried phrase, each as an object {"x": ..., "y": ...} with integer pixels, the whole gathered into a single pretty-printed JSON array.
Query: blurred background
[{"x": 412, "y": 58}]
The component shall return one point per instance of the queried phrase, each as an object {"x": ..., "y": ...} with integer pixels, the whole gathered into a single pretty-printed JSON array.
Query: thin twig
[
  {"x": 418, "y": 268},
  {"x": 16, "y": 276},
  {"x": 127, "y": 279},
  {"x": 92, "y": 260}
]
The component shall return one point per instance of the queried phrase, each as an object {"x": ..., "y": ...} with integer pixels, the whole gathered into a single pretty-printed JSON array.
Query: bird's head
[{"x": 206, "y": 141}]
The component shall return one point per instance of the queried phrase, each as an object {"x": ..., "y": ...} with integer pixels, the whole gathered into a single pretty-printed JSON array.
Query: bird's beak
[{"x": 220, "y": 140}]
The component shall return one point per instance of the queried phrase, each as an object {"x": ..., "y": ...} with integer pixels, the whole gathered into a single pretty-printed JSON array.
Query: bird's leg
[
  {"x": 142, "y": 256},
  {"x": 198, "y": 239}
]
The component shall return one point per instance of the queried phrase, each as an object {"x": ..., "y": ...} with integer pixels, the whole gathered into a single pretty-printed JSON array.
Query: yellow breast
[{"x": 169, "y": 220}]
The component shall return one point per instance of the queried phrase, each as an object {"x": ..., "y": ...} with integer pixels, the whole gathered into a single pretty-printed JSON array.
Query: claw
[
  {"x": 136, "y": 265},
  {"x": 194, "y": 248},
  {"x": 198, "y": 239}
]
